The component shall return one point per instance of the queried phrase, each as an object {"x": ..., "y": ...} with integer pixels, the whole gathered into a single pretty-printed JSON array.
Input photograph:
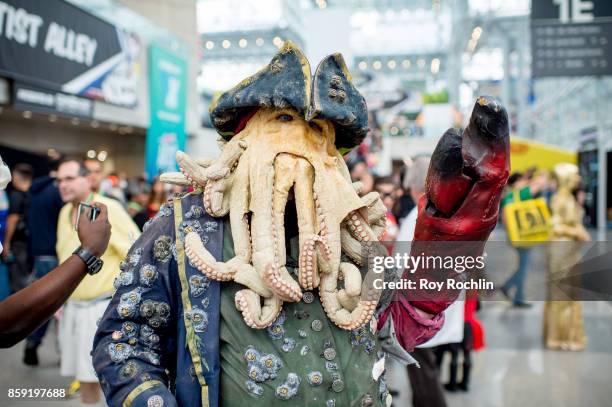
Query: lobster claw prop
[{"x": 460, "y": 208}]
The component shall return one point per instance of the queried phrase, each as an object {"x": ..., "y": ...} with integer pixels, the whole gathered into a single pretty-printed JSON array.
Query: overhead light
[
  {"x": 210, "y": 45},
  {"x": 91, "y": 154},
  {"x": 477, "y": 32},
  {"x": 226, "y": 44},
  {"x": 52, "y": 118},
  {"x": 391, "y": 64},
  {"x": 242, "y": 43},
  {"x": 406, "y": 63},
  {"x": 377, "y": 65},
  {"x": 321, "y": 3},
  {"x": 435, "y": 65},
  {"x": 102, "y": 155},
  {"x": 26, "y": 114},
  {"x": 277, "y": 41},
  {"x": 363, "y": 65},
  {"x": 259, "y": 42},
  {"x": 421, "y": 62}
]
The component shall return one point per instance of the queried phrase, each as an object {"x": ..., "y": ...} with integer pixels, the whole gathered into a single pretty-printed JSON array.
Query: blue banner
[{"x": 168, "y": 94}]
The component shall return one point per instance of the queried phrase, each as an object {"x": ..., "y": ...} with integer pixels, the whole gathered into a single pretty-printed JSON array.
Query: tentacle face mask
[{"x": 278, "y": 157}]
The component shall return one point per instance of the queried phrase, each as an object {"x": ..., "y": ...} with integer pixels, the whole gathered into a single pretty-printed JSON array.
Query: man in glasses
[
  {"x": 89, "y": 300},
  {"x": 41, "y": 299}
]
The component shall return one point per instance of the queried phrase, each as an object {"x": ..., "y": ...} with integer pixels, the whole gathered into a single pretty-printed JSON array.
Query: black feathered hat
[{"x": 286, "y": 82}]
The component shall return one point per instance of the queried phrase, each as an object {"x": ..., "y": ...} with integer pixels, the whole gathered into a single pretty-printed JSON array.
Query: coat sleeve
[{"x": 134, "y": 346}]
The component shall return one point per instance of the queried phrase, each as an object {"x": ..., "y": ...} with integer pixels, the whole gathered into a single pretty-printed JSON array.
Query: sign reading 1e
[
  {"x": 575, "y": 11},
  {"x": 571, "y": 38}
]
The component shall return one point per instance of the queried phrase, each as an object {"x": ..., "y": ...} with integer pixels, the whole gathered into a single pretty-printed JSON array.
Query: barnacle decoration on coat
[{"x": 283, "y": 132}]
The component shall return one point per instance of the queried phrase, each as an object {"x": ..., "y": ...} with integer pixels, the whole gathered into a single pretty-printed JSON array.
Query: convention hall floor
[{"x": 514, "y": 369}]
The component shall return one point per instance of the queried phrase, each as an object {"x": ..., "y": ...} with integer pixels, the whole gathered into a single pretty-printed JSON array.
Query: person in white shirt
[{"x": 425, "y": 380}]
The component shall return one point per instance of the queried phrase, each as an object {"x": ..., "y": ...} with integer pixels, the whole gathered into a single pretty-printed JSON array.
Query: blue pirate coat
[{"x": 158, "y": 341}]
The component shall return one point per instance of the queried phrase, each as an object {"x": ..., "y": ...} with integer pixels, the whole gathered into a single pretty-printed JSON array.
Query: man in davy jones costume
[{"x": 248, "y": 292}]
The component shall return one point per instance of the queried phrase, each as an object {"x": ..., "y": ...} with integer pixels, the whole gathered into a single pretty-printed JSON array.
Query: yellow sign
[
  {"x": 528, "y": 222},
  {"x": 526, "y": 154}
]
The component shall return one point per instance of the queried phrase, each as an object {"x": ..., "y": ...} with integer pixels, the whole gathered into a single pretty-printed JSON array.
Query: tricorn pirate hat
[{"x": 287, "y": 82}]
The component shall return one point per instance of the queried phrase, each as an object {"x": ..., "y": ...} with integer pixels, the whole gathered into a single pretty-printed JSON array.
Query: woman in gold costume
[{"x": 563, "y": 327}]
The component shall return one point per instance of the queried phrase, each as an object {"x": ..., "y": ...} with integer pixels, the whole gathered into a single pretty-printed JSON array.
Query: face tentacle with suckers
[
  {"x": 283, "y": 131},
  {"x": 279, "y": 157}
]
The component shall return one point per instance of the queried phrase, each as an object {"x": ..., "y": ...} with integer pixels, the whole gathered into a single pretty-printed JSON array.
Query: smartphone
[{"x": 87, "y": 210}]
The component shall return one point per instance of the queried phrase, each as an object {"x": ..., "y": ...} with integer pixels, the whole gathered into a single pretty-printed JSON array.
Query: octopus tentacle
[
  {"x": 346, "y": 301},
  {"x": 175, "y": 178},
  {"x": 227, "y": 161},
  {"x": 219, "y": 178},
  {"x": 205, "y": 262},
  {"x": 351, "y": 246},
  {"x": 342, "y": 313},
  {"x": 308, "y": 270},
  {"x": 216, "y": 196},
  {"x": 324, "y": 251},
  {"x": 349, "y": 295},
  {"x": 201, "y": 257},
  {"x": 352, "y": 279},
  {"x": 376, "y": 218},
  {"x": 204, "y": 162},
  {"x": 254, "y": 314},
  {"x": 308, "y": 276},
  {"x": 249, "y": 277},
  {"x": 377, "y": 213},
  {"x": 306, "y": 207},
  {"x": 191, "y": 169},
  {"x": 276, "y": 274},
  {"x": 340, "y": 305},
  {"x": 281, "y": 283}
]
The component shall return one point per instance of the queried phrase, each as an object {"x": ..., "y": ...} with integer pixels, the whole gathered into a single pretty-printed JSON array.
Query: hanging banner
[
  {"x": 27, "y": 97},
  {"x": 56, "y": 45},
  {"x": 168, "y": 93},
  {"x": 571, "y": 38}
]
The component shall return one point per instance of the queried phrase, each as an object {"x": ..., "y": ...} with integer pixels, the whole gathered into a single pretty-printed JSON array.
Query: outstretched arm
[
  {"x": 464, "y": 185},
  {"x": 26, "y": 310}
]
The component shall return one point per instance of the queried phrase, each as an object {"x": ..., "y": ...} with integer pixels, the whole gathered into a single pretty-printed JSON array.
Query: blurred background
[{"x": 127, "y": 83}]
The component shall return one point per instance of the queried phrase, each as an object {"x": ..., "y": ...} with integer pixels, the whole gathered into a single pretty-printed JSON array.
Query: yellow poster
[{"x": 528, "y": 222}]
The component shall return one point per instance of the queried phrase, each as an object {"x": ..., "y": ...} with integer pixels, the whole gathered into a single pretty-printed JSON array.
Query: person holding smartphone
[
  {"x": 89, "y": 300},
  {"x": 41, "y": 299}
]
